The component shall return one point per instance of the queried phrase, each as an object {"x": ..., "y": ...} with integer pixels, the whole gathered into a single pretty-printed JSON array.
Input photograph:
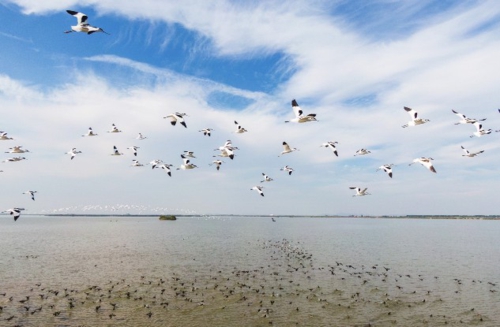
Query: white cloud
[{"x": 440, "y": 67}]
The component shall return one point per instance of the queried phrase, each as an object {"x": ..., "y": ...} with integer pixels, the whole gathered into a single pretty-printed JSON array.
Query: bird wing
[
  {"x": 81, "y": 17},
  {"x": 286, "y": 147},
  {"x": 296, "y": 109},
  {"x": 461, "y": 116},
  {"x": 413, "y": 114}
]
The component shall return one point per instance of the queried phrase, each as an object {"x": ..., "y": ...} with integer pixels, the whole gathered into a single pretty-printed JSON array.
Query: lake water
[{"x": 248, "y": 271}]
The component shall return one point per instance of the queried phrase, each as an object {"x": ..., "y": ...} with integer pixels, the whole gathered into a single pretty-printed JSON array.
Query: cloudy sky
[{"x": 355, "y": 64}]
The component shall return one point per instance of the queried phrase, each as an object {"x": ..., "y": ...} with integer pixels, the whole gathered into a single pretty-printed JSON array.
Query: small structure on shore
[{"x": 168, "y": 217}]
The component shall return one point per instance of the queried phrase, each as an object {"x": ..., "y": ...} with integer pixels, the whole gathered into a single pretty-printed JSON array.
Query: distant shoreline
[{"x": 461, "y": 217}]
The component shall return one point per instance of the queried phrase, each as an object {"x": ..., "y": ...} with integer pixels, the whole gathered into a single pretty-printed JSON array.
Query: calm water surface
[{"x": 248, "y": 271}]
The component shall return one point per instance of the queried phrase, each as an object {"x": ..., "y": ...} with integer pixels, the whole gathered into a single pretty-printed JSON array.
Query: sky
[{"x": 355, "y": 64}]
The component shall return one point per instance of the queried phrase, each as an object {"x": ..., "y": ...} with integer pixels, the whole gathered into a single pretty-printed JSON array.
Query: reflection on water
[{"x": 248, "y": 271}]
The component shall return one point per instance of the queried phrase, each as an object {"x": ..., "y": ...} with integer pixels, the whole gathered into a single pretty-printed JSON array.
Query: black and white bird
[
  {"x": 287, "y": 149},
  {"x": 15, "y": 212},
  {"x": 116, "y": 152},
  {"x": 177, "y": 117},
  {"x": 426, "y": 162},
  {"x": 141, "y": 137},
  {"x": 217, "y": 164},
  {"x": 17, "y": 149},
  {"x": 480, "y": 131},
  {"x": 31, "y": 193},
  {"x": 414, "y": 118},
  {"x": 332, "y": 146},
  {"x": 206, "y": 131},
  {"x": 186, "y": 164},
  {"x": 299, "y": 115},
  {"x": 464, "y": 119},
  {"x": 359, "y": 191},
  {"x": 82, "y": 25},
  {"x": 226, "y": 150},
  {"x": 73, "y": 152},
  {"x": 240, "y": 129},
  {"x": 4, "y": 136},
  {"x": 386, "y": 168},
  {"x": 114, "y": 129},
  {"x": 90, "y": 132},
  {"x": 362, "y": 152},
  {"x": 287, "y": 169},
  {"x": 189, "y": 154},
  {"x": 14, "y": 159},
  {"x": 166, "y": 168},
  {"x": 470, "y": 154},
  {"x": 258, "y": 188},
  {"x": 155, "y": 163},
  {"x": 134, "y": 149},
  {"x": 266, "y": 178},
  {"x": 136, "y": 163}
]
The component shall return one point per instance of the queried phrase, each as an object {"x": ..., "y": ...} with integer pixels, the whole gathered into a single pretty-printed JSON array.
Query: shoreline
[{"x": 456, "y": 217}]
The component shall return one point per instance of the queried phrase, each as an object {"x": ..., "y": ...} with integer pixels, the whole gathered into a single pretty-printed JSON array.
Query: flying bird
[
  {"x": 240, "y": 129},
  {"x": 426, "y": 162},
  {"x": 414, "y": 118},
  {"x": 116, "y": 152},
  {"x": 166, "y": 168},
  {"x": 4, "y": 137},
  {"x": 17, "y": 149},
  {"x": 134, "y": 149},
  {"x": 480, "y": 131},
  {"x": 73, "y": 152},
  {"x": 155, "y": 163},
  {"x": 82, "y": 25},
  {"x": 189, "y": 154},
  {"x": 287, "y": 149},
  {"x": 464, "y": 119},
  {"x": 386, "y": 168},
  {"x": 217, "y": 163},
  {"x": 359, "y": 191},
  {"x": 299, "y": 115},
  {"x": 227, "y": 152},
  {"x": 32, "y": 193},
  {"x": 258, "y": 189},
  {"x": 177, "y": 117},
  {"x": 141, "y": 137},
  {"x": 14, "y": 159},
  {"x": 136, "y": 163},
  {"x": 114, "y": 129},
  {"x": 206, "y": 131},
  {"x": 266, "y": 178},
  {"x": 470, "y": 154},
  {"x": 90, "y": 132},
  {"x": 287, "y": 169},
  {"x": 187, "y": 164},
  {"x": 362, "y": 152},
  {"x": 15, "y": 212},
  {"x": 332, "y": 146}
]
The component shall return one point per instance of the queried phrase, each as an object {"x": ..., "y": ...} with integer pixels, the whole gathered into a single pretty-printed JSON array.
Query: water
[{"x": 249, "y": 271}]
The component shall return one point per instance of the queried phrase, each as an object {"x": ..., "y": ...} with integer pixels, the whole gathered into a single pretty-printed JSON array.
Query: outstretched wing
[
  {"x": 81, "y": 17},
  {"x": 296, "y": 109}
]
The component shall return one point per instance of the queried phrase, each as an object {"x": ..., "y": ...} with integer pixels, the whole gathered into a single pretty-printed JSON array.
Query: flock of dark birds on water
[{"x": 286, "y": 287}]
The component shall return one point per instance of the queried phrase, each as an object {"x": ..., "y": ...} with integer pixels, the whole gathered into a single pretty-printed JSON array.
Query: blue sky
[{"x": 355, "y": 64}]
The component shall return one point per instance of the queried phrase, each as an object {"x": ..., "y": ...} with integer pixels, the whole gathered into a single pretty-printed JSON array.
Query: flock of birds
[
  {"x": 287, "y": 286},
  {"x": 227, "y": 150}
]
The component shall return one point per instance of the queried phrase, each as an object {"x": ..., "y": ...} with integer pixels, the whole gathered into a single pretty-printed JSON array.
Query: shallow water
[{"x": 223, "y": 271}]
